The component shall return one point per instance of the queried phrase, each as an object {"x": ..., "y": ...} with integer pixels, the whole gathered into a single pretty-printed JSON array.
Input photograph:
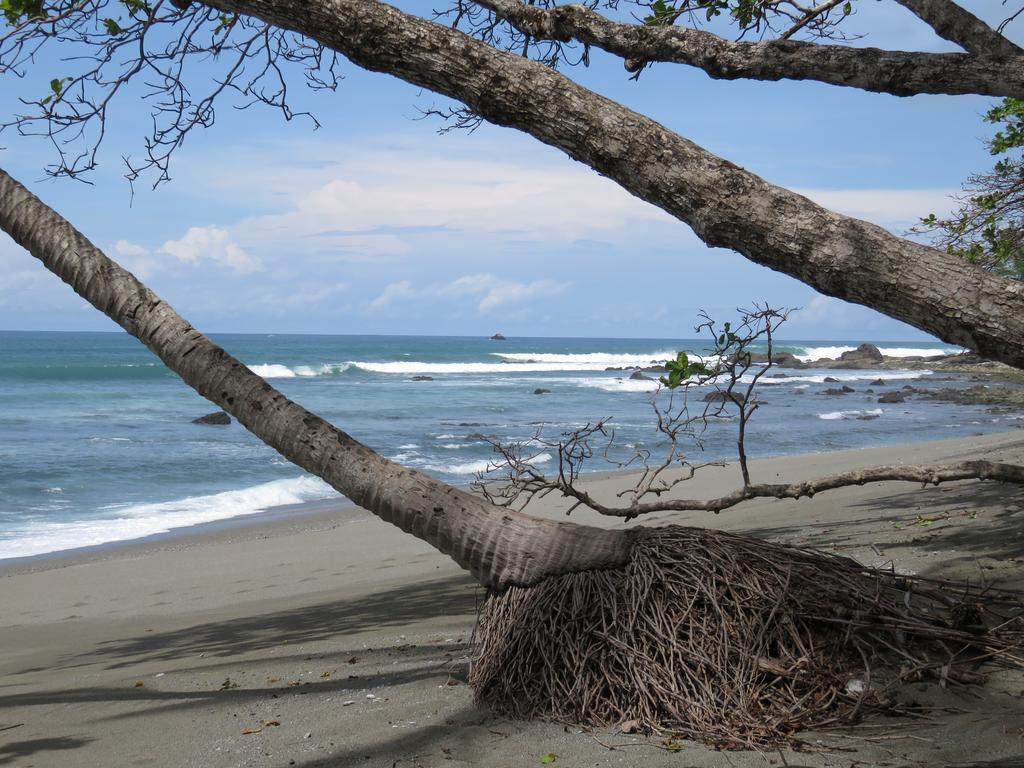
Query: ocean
[{"x": 97, "y": 442}]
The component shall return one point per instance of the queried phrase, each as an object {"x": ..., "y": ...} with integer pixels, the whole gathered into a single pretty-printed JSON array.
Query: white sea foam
[
  {"x": 278, "y": 371},
  {"x": 120, "y": 522},
  {"x": 423, "y": 368},
  {"x": 850, "y": 376},
  {"x": 510, "y": 363},
  {"x": 476, "y": 467},
  {"x": 609, "y": 384},
  {"x": 842, "y": 415},
  {"x": 272, "y": 371},
  {"x": 810, "y": 354},
  {"x": 591, "y": 360}
]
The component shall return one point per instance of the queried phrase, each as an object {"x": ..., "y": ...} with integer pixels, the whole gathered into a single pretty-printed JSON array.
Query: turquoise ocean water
[{"x": 97, "y": 444}]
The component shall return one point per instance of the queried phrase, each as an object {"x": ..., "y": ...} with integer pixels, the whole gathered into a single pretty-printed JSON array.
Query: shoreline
[
  {"x": 331, "y": 639},
  {"x": 320, "y": 514}
]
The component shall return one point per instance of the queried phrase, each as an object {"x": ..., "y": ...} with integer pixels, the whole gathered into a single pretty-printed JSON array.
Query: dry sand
[{"x": 343, "y": 641}]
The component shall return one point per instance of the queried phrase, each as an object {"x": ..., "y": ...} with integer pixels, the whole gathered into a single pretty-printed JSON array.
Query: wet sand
[{"x": 339, "y": 640}]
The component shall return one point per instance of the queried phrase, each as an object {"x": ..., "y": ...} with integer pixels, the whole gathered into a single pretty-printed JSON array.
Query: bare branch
[
  {"x": 960, "y": 26},
  {"x": 729, "y": 368},
  {"x": 926, "y": 474},
  {"x": 161, "y": 45},
  {"x": 900, "y": 73}
]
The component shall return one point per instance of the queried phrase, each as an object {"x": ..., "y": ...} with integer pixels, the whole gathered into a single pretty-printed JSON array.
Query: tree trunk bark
[
  {"x": 901, "y": 73},
  {"x": 499, "y": 547},
  {"x": 726, "y": 205}
]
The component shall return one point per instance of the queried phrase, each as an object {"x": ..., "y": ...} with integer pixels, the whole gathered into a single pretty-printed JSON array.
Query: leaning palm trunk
[
  {"x": 700, "y": 633},
  {"x": 500, "y": 548}
]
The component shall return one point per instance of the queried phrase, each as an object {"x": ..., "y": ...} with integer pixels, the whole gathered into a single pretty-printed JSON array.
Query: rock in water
[
  {"x": 892, "y": 397},
  {"x": 721, "y": 394},
  {"x": 497, "y": 337},
  {"x": 218, "y": 418},
  {"x": 862, "y": 353},
  {"x": 540, "y": 391},
  {"x": 640, "y": 375}
]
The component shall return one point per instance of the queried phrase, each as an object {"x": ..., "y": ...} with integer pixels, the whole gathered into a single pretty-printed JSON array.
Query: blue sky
[{"x": 375, "y": 223}]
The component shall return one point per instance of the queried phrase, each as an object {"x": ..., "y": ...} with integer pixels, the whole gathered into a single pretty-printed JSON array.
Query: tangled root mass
[{"x": 727, "y": 639}]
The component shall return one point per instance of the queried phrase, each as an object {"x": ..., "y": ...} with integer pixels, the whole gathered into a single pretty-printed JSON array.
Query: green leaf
[
  {"x": 847, "y": 9},
  {"x": 549, "y": 758},
  {"x": 112, "y": 27},
  {"x": 55, "y": 85}
]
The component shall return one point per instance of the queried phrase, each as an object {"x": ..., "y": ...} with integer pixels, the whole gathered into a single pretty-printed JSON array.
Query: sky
[{"x": 378, "y": 223}]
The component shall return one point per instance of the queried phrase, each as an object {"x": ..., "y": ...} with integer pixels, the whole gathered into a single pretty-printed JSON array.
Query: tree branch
[
  {"x": 953, "y": 23},
  {"x": 724, "y": 204},
  {"x": 900, "y": 73},
  {"x": 926, "y": 474}
]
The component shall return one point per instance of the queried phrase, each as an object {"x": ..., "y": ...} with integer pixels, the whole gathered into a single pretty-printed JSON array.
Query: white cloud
[
  {"x": 211, "y": 243},
  {"x": 497, "y": 292},
  {"x": 386, "y": 202},
  {"x": 488, "y": 290},
  {"x": 137, "y": 259},
  {"x": 125, "y": 248},
  {"x": 899, "y": 208},
  {"x": 393, "y": 292}
]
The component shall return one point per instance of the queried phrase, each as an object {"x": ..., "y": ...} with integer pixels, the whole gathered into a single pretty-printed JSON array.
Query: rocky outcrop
[
  {"x": 541, "y": 391},
  {"x": 892, "y": 397},
  {"x": 497, "y": 337},
  {"x": 720, "y": 395},
  {"x": 640, "y": 376},
  {"x": 422, "y": 378},
  {"x": 978, "y": 395},
  {"x": 218, "y": 418},
  {"x": 864, "y": 353}
]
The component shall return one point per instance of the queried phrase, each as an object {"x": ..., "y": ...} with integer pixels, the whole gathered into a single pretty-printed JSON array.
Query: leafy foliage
[
  {"x": 16, "y": 11},
  {"x": 988, "y": 228},
  {"x": 760, "y": 17},
  {"x": 682, "y": 369}
]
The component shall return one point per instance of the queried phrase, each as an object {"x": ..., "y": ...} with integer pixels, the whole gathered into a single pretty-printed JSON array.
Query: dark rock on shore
[
  {"x": 782, "y": 359},
  {"x": 863, "y": 353},
  {"x": 720, "y": 395},
  {"x": 848, "y": 389},
  {"x": 878, "y": 383},
  {"x": 979, "y": 394},
  {"x": 892, "y": 397},
  {"x": 834, "y": 391},
  {"x": 641, "y": 376},
  {"x": 219, "y": 418}
]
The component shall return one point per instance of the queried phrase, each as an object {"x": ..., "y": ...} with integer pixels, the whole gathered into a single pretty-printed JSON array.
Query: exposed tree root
[{"x": 729, "y": 640}]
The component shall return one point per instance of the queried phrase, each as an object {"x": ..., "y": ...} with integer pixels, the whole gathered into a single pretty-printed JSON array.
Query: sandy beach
[{"x": 320, "y": 636}]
